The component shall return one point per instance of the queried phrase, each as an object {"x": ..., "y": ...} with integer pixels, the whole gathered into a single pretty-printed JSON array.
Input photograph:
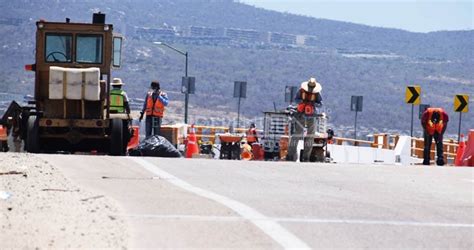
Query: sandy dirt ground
[{"x": 40, "y": 208}]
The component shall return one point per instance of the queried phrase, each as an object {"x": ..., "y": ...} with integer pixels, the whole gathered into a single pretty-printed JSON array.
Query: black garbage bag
[{"x": 155, "y": 145}]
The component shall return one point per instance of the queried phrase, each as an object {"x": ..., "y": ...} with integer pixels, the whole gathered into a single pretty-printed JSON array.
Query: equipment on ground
[
  {"x": 70, "y": 110},
  {"x": 275, "y": 125},
  {"x": 230, "y": 146},
  {"x": 157, "y": 146}
]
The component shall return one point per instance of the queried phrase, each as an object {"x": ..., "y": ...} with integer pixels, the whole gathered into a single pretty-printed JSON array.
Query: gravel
[{"x": 40, "y": 208}]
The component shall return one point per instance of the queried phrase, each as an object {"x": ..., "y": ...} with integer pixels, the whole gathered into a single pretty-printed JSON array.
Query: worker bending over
[
  {"x": 308, "y": 98},
  {"x": 434, "y": 122}
]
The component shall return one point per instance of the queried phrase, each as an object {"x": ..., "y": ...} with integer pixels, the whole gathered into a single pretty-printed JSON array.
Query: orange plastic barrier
[
  {"x": 460, "y": 153},
  {"x": 135, "y": 140},
  {"x": 468, "y": 156}
]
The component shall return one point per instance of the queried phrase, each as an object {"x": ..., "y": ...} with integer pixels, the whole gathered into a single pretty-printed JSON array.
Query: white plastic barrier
[
  {"x": 361, "y": 155},
  {"x": 403, "y": 152},
  {"x": 72, "y": 79}
]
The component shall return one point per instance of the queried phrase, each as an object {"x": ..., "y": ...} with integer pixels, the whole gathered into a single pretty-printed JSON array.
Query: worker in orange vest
[
  {"x": 252, "y": 134},
  {"x": 434, "y": 122},
  {"x": 154, "y": 108},
  {"x": 308, "y": 98}
]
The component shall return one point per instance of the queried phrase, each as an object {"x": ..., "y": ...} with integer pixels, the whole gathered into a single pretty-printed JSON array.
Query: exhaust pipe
[{"x": 98, "y": 18}]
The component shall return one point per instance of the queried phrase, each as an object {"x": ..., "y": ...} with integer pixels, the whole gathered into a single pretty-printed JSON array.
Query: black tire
[
  {"x": 32, "y": 144},
  {"x": 5, "y": 147},
  {"x": 116, "y": 137}
]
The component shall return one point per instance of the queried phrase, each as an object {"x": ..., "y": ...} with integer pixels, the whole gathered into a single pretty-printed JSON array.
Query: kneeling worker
[
  {"x": 308, "y": 98},
  {"x": 434, "y": 122}
]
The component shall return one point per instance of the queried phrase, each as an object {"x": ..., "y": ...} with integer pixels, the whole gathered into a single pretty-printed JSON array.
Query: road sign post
[
  {"x": 461, "y": 105},
  {"x": 187, "y": 87},
  {"x": 240, "y": 91},
  {"x": 290, "y": 93},
  {"x": 356, "y": 105},
  {"x": 422, "y": 109},
  {"x": 412, "y": 96}
]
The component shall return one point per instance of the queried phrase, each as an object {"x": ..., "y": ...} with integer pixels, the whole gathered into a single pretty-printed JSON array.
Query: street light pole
[{"x": 186, "y": 95}]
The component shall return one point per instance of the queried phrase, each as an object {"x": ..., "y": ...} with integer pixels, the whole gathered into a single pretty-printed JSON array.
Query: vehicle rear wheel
[
  {"x": 116, "y": 137},
  {"x": 32, "y": 136}
]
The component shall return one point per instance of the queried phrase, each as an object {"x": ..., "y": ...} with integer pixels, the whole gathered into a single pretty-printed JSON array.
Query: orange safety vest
[
  {"x": 307, "y": 104},
  {"x": 431, "y": 127},
  {"x": 156, "y": 108},
  {"x": 251, "y": 136}
]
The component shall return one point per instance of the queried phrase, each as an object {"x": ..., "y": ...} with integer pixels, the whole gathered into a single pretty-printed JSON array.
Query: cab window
[
  {"x": 89, "y": 49},
  {"x": 58, "y": 48}
]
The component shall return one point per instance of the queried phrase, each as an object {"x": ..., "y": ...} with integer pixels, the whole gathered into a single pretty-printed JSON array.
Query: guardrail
[
  {"x": 450, "y": 148},
  {"x": 382, "y": 141}
]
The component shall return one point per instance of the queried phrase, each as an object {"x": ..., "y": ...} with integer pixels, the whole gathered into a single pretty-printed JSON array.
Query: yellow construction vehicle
[{"x": 70, "y": 110}]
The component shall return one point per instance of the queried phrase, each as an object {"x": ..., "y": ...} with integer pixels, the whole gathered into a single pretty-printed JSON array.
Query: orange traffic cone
[
  {"x": 460, "y": 153},
  {"x": 191, "y": 146}
]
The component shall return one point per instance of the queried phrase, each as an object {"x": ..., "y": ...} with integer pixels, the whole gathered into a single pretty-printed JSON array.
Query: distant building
[
  {"x": 300, "y": 39},
  {"x": 245, "y": 35},
  {"x": 311, "y": 41},
  {"x": 153, "y": 33},
  {"x": 282, "y": 38},
  {"x": 199, "y": 31}
]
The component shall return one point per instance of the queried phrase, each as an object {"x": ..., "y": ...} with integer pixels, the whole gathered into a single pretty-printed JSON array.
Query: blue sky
[{"x": 412, "y": 15}]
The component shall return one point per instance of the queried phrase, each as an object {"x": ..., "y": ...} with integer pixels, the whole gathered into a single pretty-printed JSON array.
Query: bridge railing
[
  {"x": 177, "y": 134},
  {"x": 450, "y": 148}
]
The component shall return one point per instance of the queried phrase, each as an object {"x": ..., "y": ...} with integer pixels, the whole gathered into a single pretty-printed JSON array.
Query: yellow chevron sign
[
  {"x": 413, "y": 95},
  {"x": 461, "y": 103}
]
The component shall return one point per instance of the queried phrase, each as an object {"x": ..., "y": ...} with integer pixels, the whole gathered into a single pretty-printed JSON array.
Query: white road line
[
  {"x": 376, "y": 222},
  {"x": 278, "y": 233},
  {"x": 185, "y": 217},
  {"x": 299, "y": 220}
]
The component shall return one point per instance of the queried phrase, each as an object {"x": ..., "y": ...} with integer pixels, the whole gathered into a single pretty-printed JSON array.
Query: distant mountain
[{"x": 229, "y": 41}]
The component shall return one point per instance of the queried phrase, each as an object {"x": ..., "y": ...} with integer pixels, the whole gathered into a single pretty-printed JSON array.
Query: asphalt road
[{"x": 180, "y": 203}]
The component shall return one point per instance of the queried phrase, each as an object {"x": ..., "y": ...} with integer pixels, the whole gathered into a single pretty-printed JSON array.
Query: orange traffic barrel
[
  {"x": 135, "y": 140},
  {"x": 3, "y": 133}
]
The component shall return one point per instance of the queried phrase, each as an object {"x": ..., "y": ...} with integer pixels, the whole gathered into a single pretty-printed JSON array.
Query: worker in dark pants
[
  {"x": 308, "y": 98},
  {"x": 434, "y": 122},
  {"x": 154, "y": 107}
]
